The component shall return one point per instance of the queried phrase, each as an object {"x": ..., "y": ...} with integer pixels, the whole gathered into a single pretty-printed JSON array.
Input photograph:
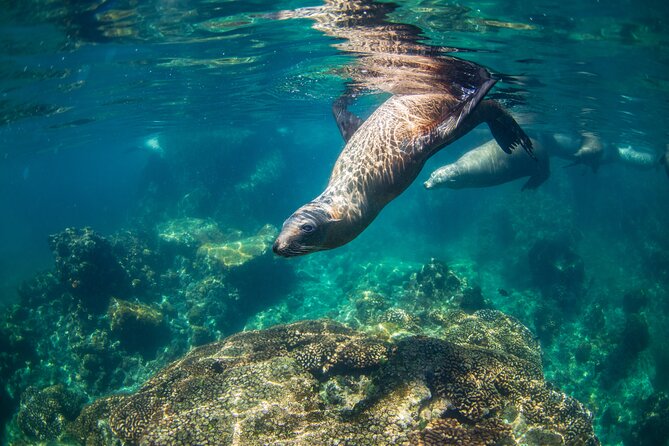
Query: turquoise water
[{"x": 177, "y": 130}]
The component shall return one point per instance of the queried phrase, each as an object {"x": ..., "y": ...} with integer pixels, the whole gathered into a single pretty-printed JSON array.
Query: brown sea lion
[
  {"x": 382, "y": 158},
  {"x": 435, "y": 100},
  {"x": 486, "y": 165}
]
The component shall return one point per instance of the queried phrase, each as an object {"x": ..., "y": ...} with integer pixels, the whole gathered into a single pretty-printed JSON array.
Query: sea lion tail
[{"x": 505, "y": 129}]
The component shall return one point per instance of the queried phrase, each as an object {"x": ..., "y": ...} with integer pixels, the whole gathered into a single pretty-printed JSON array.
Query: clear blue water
[{"x": 117, "y": 115}]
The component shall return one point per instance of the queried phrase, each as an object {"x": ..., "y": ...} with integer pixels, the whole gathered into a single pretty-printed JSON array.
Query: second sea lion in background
[
  {"x": 487, "y": 165},
  {"x": 591, "y": 152},
  {"x": 640, "y": 159}
]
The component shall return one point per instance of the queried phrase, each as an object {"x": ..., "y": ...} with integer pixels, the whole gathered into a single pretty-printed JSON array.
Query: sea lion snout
[
  {"x": 280, "y": 248},
  {"x": 287, "y": 243},
  {"x": 303, "y": 232},
  {"x": 440, "y": 177}
]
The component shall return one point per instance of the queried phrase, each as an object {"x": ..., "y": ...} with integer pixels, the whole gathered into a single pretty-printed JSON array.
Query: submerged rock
[
  {"x": 238, "y": 252},
  {"x": 652, "y": 430},
  {"x": 320, "y": 382},
  {"x": 634, "y": 338},
  {"x": 434, "y": 280},
  {"x": 188, "y": 233},
  {"x": 138, "y": 326},
  {"x": 87, "y": 265},
  {"x": 44, "y": 413}
]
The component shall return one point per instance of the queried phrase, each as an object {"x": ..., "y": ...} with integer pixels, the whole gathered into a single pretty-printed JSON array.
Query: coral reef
[
  {"x": 304, "y": 383},
  {"x": 86, "y": 263},
  {"x": 266, "y": 172},
  {"x": 434, "y": 280},
  {"x": 117, "y": 308},
  {"x": 186, "y": 234},
  {"x": 238, "y": 252},
  {"x": 44, "y": 413},
  {"x": 138, "y": 327},
  {"x": 175, "y": 297}
]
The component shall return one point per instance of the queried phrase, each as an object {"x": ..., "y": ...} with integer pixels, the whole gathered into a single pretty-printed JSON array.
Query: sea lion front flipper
[
  {"x": 504, "y": 128},
  {"x": 347, "y": 122}
]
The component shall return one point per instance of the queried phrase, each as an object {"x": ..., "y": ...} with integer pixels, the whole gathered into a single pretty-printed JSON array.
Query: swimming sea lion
[
  {"x": 435, "y": 99},
  {"x": 383, "y": 157},
  {"x": 591, "y": 152},
  {"x": 665, "y": 160},
  {"x": 636, "y": 158},
  {"x": 487, "y": 165}
]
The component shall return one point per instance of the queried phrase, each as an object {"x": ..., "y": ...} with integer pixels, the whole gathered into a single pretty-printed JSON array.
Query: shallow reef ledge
[{"x": 322, "y": 383}]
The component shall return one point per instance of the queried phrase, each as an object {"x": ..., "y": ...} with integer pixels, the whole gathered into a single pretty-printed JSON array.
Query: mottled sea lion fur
[{"x": 383, "y": 156}]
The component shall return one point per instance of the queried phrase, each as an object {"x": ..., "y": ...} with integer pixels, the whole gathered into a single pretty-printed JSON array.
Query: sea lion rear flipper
[
  {"x": 540, "y": 176},
  {"x": 347, "y": 122},
  {"x": 504, "y": 128}
]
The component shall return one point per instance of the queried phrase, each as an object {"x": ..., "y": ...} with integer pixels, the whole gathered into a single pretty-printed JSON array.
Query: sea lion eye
[{"x": 307, "y": 227}]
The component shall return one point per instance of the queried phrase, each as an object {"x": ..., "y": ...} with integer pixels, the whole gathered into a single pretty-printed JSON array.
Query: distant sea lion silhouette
[
  {"x": 636, "y": 158},
  {"x": 487, "y": 165},
  {"x": 435, "y": 100},
  {"x": 591, "y": 152}
]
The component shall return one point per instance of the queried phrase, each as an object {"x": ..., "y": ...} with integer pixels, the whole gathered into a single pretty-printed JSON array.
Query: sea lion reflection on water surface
[{"x": 435, "y": 100}]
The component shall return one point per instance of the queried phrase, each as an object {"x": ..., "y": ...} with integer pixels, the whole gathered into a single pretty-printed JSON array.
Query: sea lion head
[
  {"x": 308, "y": 230},
  {"x": 445, "y": 176}
]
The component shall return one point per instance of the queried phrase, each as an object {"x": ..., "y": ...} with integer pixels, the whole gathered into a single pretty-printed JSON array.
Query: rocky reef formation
[
  {"x": 44, "y": 413},
  {"x": 117, "y": 308},
  {"x": 319, "y": 382},
  {"x": 238, "y": 252},
  {"x": 187, "y": 282},
  {"x": 415, "y": 358},
  {"x": 138, "y": 327},
  {"x": 652, "y": 430}
]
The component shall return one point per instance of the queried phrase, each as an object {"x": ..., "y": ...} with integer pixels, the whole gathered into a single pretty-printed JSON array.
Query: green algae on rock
[
  {"x": 138, "y": 326},
  {"x": 189, "y": 232},
  {"x": 238, "y": 252},
  {"x": 320, "y": 382}
]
